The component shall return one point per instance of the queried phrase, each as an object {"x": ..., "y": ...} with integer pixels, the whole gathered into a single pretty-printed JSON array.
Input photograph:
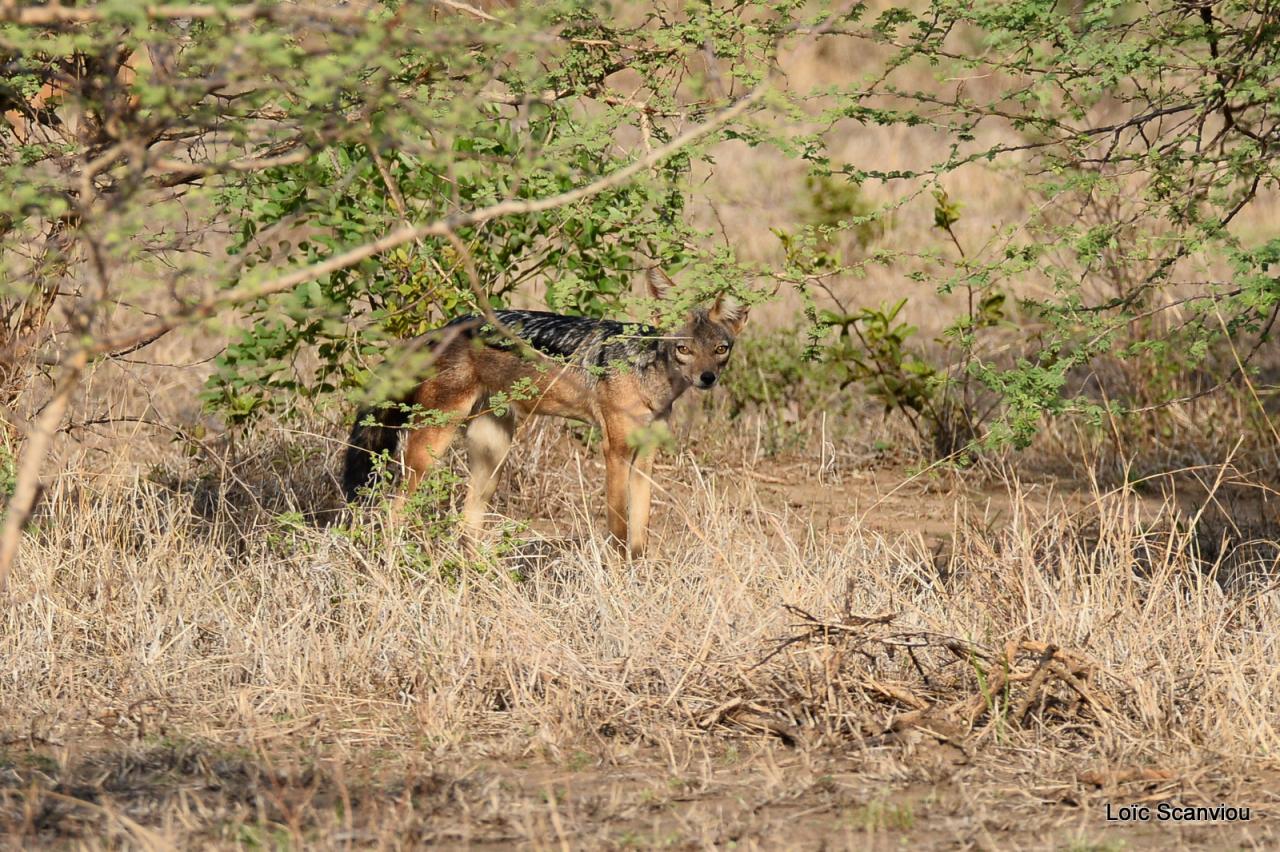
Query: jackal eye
[
  {"x": 683, "y": 350},
  {"x": 722, "y": 348}
]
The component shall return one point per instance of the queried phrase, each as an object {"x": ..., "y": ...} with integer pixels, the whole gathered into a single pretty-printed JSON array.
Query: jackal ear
[
  {"x": 659, "y": 283},
  {"x": 728, "y": 311}
]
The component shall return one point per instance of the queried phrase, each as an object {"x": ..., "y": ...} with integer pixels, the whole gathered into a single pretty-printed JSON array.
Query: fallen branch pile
[{"x": 864, "y": 679}]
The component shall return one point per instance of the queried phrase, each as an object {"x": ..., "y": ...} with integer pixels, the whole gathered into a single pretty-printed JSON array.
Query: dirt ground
[
  {"x": 916, "y": 793},
  {"x": 919, "y": 794}
]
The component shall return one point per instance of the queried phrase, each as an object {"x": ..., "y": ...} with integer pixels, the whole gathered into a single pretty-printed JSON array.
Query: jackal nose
[{"x": 708, "y": 379}]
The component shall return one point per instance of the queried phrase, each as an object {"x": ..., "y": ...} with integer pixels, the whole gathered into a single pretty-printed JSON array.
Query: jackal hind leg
[
  {"x": 428, "y": 443},
  {"x": 488, "y": 440}
]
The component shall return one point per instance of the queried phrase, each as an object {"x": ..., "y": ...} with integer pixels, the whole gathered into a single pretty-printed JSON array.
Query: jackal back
[{"x": 597, "y": 345}]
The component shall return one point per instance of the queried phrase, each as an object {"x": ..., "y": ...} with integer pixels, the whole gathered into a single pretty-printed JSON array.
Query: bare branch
[
  {"x": 180, "y": 172},
  {"x": 54, "y": 13},
  {"x": 468, "y": 9},
  {"x": 34, "y": 451}
]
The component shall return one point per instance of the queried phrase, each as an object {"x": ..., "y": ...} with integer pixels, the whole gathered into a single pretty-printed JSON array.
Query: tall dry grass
[{"x": 154, "y": 615}]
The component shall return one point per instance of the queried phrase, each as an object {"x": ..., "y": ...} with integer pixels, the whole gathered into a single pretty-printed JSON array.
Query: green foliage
[
  {"x": 655, "y": 437},
  {"x": 872, "y": 347},
  {"x": 586, "y": 255},
  {"x": 426, "y": 514},
  {"x": 1137, "y": 140},
  {"x": 946, "y": 212},
  {"x": 777, "y": 375},
  {"x": 839, "y": 213},
  {"x": 590, "y": 250},
  {"x": 8, "y": 471},
  {"x": 1136, "y": 185}
]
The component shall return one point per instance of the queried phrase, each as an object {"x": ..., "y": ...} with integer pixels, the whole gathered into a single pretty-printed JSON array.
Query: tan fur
[{"x": 468, "y": 372}]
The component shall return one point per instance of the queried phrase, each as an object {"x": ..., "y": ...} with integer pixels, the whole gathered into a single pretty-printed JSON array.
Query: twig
[{"x": 1037, "y": 681}]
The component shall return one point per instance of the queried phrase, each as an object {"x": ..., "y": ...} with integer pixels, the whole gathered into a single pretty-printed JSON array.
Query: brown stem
[{"x": 33, "y": 455}]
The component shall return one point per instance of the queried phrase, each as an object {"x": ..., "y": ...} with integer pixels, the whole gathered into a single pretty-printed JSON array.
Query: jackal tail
[{"x": 376, "y": 431}]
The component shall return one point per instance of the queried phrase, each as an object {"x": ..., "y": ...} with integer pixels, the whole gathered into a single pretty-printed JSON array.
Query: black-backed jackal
[{"x": 622, "y": 376}]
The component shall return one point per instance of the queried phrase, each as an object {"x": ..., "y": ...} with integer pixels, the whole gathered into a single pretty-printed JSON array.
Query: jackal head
[{"x": 699, "y": 349}]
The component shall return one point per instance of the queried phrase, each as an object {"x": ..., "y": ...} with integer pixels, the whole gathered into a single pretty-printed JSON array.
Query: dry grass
[{"x": 191, "y": 663}]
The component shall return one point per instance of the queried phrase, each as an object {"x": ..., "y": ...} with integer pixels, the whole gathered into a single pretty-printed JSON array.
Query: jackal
[{"x": 623, "y": 377}]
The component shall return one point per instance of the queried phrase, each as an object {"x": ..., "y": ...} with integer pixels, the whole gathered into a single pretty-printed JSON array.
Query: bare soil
[{"x": 918, "y": 793}]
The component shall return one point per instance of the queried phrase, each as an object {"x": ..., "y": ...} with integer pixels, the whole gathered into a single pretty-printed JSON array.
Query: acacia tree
[
  {"x": 305, "y": 131},
  {"x": 1142, "y": 133},
  {"x": 331, "y": 177}
]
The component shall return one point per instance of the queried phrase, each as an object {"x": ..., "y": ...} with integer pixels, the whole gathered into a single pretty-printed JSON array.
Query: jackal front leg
[
  {"x": 640, "y": 480},
  {"x": 628, "y": 469},
  {"x": 617, "y": 466}
]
